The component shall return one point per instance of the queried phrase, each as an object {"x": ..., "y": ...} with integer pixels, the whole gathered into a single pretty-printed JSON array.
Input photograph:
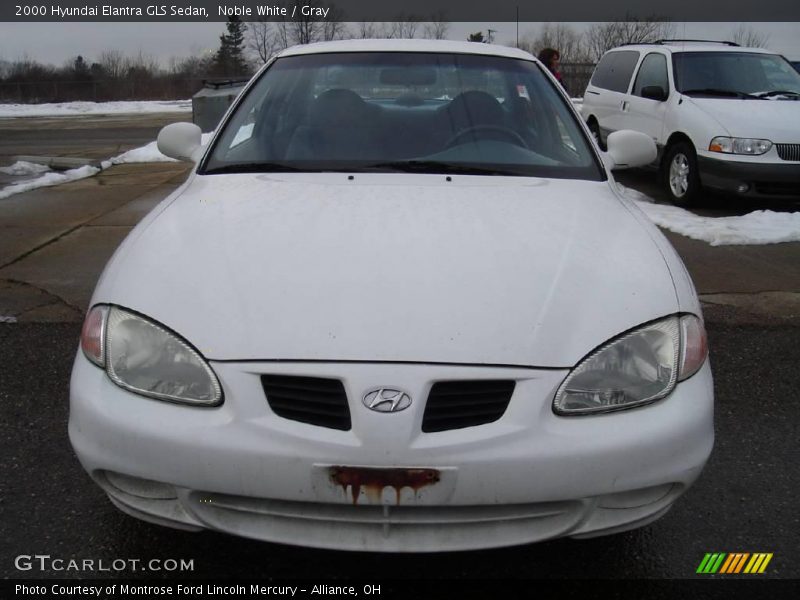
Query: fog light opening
[
  {"x": 635, "y": 498},
  {"x": 141, "y": 488},
  {"x": 743, "y": 188}
]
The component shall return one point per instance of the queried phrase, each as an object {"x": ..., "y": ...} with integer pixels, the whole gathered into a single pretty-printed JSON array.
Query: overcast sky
[{"x": 55, "y": 43}]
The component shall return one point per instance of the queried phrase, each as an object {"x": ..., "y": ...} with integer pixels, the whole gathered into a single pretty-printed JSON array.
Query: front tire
[
  {"x": 680, "y": 174},
  {"x": 594, "y": 128}
]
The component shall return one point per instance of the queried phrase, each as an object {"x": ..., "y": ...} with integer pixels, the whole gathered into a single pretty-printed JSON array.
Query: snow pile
[
  {"x": 65, "y": 109},
  {"x": 149, "y": 153},
  {"x": 758, "y": 227},
  {"x": 755, "y": 228},
  {"x": 49, "y": 179},
  {"x": 23, "y": 167},
  {"x": 144, "y": 154}
]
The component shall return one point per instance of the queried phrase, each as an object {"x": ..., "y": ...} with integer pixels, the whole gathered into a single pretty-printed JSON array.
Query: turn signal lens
[
  {"x": 694, "y": 346},
  {"x": 93, "y": 335}
]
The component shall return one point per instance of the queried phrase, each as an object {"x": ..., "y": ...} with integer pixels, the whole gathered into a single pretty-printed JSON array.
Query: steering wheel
[{"x": 487, "y": 131}]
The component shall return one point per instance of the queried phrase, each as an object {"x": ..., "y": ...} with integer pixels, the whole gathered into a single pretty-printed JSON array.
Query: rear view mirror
[
  {"x": 181, "y": 141},
  {"x": 408, "y": 76},
  {"x": 628, "y": 149},
  {"x": 654, "y": 92}
]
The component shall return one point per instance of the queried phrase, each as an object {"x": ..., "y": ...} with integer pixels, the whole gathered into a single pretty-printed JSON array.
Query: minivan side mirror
[
  {"x": 627, "y": 149},
  {"x": 182, "y": 141},
  {"x": 654, "y": 92}
]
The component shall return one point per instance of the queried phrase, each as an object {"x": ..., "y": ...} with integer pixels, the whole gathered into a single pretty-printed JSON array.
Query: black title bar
[{"x": 493, "y": 11}]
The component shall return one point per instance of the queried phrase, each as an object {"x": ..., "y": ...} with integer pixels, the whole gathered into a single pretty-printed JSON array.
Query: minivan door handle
[{"x": 624, "y": 105}]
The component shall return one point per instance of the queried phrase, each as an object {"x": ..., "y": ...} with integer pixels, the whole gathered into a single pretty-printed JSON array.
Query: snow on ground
[
  {"x": 65, "y": 109},
  {"x": 758, "y": 227},
  {"x": 22, "y": 168},
  {"x": 144, "y": 154},
  {"x": 148, "y": 153},
  {"x": 47, "y": 180}
]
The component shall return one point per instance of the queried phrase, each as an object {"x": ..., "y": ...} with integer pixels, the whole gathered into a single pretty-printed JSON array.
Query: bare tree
[
  {"x": 601, "y": 37},
  {"x": 437, "y": 27},
  {"x": 367, "y": 30},
  {"x": 405, "y": 27},
  {"x": 570, "y": 44},
  {"x": 745, "y": 35},
  {"x": 113, "y": 63},
  {"x": 268, "y": 37}
]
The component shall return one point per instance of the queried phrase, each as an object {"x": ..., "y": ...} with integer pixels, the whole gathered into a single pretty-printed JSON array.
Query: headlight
[
  {"x": 729, "y": 145},
  {"x": 637, "y": 368},
  {"x": 144, "y": 357}
]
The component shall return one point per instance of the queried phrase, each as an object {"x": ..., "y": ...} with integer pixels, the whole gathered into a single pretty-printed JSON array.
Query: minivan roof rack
[{"x": 678, "y": 41}]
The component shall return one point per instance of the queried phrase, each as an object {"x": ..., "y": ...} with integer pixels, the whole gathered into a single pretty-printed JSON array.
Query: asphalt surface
[{"x": 54, "y": 243}]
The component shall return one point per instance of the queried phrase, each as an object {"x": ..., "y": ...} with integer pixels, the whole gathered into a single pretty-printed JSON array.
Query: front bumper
[
  {"x": 762, "y": 180},
  {"x": 529, "y": 476}
]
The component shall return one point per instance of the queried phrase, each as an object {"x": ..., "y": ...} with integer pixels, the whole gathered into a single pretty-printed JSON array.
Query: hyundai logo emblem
[{"x": 387, "y": 400}]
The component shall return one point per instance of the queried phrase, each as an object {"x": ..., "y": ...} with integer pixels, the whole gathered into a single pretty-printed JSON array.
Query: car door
[
  {"x": 644, "y": 110},
  {"x": 607, "y": 91}
]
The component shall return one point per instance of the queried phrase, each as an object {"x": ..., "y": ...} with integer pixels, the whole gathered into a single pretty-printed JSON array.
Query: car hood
[
  {"x": 478, "y": 270},
  {"x": 773, "y": 119}
]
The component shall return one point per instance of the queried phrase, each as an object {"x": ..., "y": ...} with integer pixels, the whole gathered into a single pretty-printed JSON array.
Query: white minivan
[{"x": 722, "y": 116}]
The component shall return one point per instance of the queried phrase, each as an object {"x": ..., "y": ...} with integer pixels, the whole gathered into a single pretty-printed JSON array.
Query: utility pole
[
  {"x": 490, "y": 35},
  {"x": 517, "y": 26}
]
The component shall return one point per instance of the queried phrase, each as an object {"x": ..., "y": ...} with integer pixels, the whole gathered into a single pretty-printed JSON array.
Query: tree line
[{"x": 245, "y": 46}]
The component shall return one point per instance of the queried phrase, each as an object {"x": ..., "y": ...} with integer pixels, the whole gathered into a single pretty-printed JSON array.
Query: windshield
[
  {"x": 740, "y": 74},
  {"x": 408, "y": 112}
]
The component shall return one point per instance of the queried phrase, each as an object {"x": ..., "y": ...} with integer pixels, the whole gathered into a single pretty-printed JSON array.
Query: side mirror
[
  {"x": 181, "y": 141},
  {"x": 628, "y": 149},
  {"x": 654, "y": 92}
]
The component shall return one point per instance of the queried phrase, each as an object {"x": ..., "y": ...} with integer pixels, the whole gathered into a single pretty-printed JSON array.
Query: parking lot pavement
[{"x": 56, "y": 241}]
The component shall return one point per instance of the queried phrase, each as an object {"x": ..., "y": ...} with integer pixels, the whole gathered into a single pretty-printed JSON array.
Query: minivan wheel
[
  {"x": 680, "y": 174},
  {"x": 595, "y": 129}
]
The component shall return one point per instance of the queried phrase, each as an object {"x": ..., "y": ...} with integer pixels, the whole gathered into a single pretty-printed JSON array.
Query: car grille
[
  {"x": 459, "y": 404},
  {"x": 311, "y": 400},
  {"x": 789, "y": 151}
]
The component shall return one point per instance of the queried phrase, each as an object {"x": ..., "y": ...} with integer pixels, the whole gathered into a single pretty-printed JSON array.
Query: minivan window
[
  {"x": 736, "y": 74},
  {"x": 614, "y": 70},
  {"x": 653, "y": 71}
]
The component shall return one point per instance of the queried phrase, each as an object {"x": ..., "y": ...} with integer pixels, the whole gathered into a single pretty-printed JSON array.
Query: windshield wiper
[
  {"x": 434, "y": 167},
  {"x": 778, "y": 93},
  {"x": 257, "y": 167},
  {"x": 719, "y": 92}
]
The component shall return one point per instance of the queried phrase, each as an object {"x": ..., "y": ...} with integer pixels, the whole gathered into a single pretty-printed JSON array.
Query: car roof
[
  {"x": 384, "y": 45},
  {"x": 676, "y": 47}
]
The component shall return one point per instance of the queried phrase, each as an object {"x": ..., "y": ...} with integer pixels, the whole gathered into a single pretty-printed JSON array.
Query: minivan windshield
[
  {"x": 404, "y": 112},
  {"x": 743, "y": 75}
]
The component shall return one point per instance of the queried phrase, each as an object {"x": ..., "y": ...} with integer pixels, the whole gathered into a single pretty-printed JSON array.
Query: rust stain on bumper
[{"x": 372, "y": 480}]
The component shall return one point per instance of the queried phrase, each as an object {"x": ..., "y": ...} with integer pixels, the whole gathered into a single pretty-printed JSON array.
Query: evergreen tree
[
  {"x": 476, "y": 37},
  {"x": 229, "y": 59}
]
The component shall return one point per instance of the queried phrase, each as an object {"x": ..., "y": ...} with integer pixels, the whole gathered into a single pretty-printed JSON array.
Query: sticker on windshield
[{"x": 522, "y": 91}]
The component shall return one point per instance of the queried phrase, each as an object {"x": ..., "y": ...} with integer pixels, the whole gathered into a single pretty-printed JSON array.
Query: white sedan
[{"x": 399, "y": 305}]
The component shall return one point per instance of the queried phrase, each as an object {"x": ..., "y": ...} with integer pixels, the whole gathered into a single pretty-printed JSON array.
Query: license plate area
[{"x": 391, "y": 486}]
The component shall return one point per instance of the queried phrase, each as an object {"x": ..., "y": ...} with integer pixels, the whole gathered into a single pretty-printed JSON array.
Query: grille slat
[
  {"x": 460, "y": 404},
  {"x": 788, "y": 151},
  {"x": 311, "y": 400}
]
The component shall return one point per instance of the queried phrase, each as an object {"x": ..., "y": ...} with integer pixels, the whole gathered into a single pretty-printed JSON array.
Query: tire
[
  {"x": 595, "y": 129},
  {"x": 680, "y": 175}
]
